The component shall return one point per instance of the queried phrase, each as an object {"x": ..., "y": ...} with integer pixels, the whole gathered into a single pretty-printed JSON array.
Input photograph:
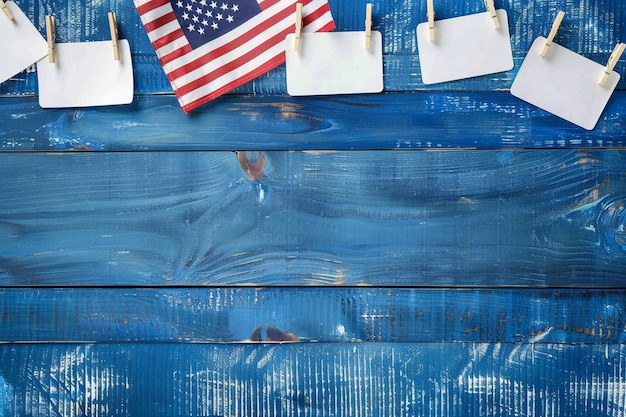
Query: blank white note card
[
  {"x": 21, "y": 44},
  {"x": 464, "y": 47},
  {"x": 334, "y": 63},
  {"x": 564, "y": 83},
  {"x": 85, "y": 74}
]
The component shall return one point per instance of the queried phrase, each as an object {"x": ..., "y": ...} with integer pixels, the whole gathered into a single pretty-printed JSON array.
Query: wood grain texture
[
  {"x": 386, "y": 121},
  {"x": 402, "y": 218},
  {"x": 450, "y": 283},
  {"x": 313, "y": 379},
  {"x": 231, "y": 315}
]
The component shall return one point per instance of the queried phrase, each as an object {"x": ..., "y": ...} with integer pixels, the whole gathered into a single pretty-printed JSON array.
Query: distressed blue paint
[
  {"x": 315, "y": 379},
  {"x": 157, "y": 221},
  {"x": 387, "y": 121},
  {"x": 402, "y": 218},
  {"x": 405, "y": 315}
]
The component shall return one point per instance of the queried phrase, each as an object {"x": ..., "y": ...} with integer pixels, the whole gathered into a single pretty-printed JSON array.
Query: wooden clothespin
[
  {"x": 51, "y": 35},
  {"x": 491, "y": 9},
  {"x": 431, "y": 19},
  {"x": 296, "y": 46},
  {"x": 555, "y": 28},
  {"x": 114, "y": 36},
  {"x": 6, "y": 10},
  {"x": 368, "y": 25},
  {"x": 615, "y": 56}
]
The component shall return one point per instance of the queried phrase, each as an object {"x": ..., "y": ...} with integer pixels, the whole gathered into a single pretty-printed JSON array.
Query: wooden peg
[
  {"x": 296, "y": 46},
  {"x": 431, "y": 19},
  {"x": 368, "y": 25},
  {"x": 491, "y": 9},
  {"x": 51, "y": 34},
  {"x": 615, "y": 56},
  {"x": 555, "y": 28},
  {"x": 114, "y": 36},
  {"x": 6, "y": 10}
]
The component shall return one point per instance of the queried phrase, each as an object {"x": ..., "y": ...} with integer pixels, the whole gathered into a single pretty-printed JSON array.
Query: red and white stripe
[{"x": 253, "y": 48}]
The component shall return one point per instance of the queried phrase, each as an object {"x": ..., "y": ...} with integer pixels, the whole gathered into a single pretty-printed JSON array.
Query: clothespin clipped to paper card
[
  {"x": 615, "y": 56},
  {"x": 6, "y": 11},
  {"x": 114, "y": 36},
  {"x": 298, "y": 31},
  {"x": 320, "y": 63},
  {"x": 430, "y": 13},
  {"x": 85, "y": 73},
  {"x": 22, "y": 45},
  {"x": 553, "y": 31},
  {"x": 464, "y": 47},
  {"x": 368, "y": 25},
  {"x": 491, "y": 9},
  {"x": 51, "y": 37},
  {"x": 565, "y": 83}
]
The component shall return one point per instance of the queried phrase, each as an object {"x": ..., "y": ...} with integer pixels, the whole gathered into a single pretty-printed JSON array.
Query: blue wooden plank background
[
  {"x": 157, "y": 263},
  {"x": 315, "y": 379},
  {"x": 319, "y": 314},
  {"x": 483, "y": 120},
  {"x": 401, "y": 218}
]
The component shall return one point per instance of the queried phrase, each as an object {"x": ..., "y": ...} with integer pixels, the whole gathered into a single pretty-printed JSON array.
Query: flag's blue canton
[{"x": 205, "y": 20}]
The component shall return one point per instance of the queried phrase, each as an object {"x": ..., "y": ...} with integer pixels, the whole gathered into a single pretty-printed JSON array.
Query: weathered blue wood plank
[
  {"x": 175, "y": 221},
  {"x": 402, "y": 218},
  {"x": 591, "y": 28},
  {"x": 387, "y": 121},
  {"x": 312, "y": 314},
  {"x": 323, "y": 379}
]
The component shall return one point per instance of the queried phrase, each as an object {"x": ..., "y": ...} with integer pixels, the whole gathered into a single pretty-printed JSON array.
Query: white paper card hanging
[
  {"x": 564, "y": 83},
  {"x": 22, "y": 45},
  {"x": 85, "y": 74},
  {"x": 334, "y": 63},
  {"x": 464, "y": 47}
]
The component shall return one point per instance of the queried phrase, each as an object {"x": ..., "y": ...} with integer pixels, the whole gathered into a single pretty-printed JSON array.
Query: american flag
[{"x": 209, "y": 47}]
